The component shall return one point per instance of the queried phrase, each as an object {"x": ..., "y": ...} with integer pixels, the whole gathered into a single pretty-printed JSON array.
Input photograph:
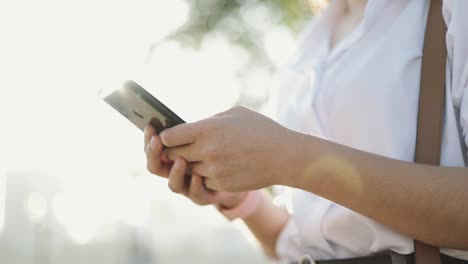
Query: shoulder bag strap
[{"x": 431, "y": 107}]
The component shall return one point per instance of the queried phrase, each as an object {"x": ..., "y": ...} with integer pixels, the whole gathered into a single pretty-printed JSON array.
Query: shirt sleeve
[
  {"x": 289, "y": 246},
  {"x": 457, "y": 48}
]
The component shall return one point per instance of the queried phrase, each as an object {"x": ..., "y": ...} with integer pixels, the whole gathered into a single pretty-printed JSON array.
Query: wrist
[
  {"x": 235, "y": 201},
  {"x": 245, "y": 208},
  {"x": 297, "y": 159}
]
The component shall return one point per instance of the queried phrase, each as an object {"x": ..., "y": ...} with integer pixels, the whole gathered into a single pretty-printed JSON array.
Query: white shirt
[{"x": 364, "y": 94}]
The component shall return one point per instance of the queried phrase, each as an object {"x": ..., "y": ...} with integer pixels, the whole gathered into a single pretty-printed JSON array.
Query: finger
[
  {"x": 200, "y": 193},
  {"x": 216, "y": 197},
  {"x": 187, "y": 152},
  {"x": 210, "y": 184},
  {"x": 201, "y": 168},
  {"x": 149, "y": 133},
  {"x": 177, "y": 176},
  {"x": 181, "y": 134},
  {"x": 197, "y": 191},
  {"x": 153, "y": 158}
]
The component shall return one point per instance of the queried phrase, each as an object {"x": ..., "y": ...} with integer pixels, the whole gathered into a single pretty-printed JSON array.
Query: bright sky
[{"x": 55, "y": 55}]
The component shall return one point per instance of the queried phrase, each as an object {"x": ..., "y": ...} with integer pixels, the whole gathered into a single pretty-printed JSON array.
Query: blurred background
[{"x": 73, "y": 183}]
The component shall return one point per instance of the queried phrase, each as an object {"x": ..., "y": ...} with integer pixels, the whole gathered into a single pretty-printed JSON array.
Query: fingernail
[
  {"x": 162, "y": 136},
  {"x": 146, "y": 131},
  {"x": 153, "y": 143},
  {"x": 178, "y": 165}
]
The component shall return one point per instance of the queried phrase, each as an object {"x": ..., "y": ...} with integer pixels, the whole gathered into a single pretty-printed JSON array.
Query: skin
[
  {"x": 176, "y": 173},
  {"x": 352, "y": 15},
  {"x": 202, "y": 192},
  {"x": 425, "y": 202},
  {"x": 240, "y": 150}
]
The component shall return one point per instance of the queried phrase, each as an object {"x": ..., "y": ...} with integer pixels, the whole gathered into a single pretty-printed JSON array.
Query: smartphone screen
[{"x": 141, "y": 108}]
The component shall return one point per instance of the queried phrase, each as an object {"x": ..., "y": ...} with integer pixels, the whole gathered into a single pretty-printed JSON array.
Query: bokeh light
[
  {"x": 75, "y": 187},
  {"x": 36, "y": 207}
]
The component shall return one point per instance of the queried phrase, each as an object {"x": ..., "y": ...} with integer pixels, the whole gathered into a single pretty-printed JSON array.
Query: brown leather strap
[{"x": 431, "y": 107}]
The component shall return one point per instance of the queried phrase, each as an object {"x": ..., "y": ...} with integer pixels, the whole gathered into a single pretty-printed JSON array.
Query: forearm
[
  {"x": 425, "y": 202},
  {"x": 266, "y": 223}
]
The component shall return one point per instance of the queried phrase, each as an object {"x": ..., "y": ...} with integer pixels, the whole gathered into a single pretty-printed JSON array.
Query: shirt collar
[{"x": 314, "y": 43}]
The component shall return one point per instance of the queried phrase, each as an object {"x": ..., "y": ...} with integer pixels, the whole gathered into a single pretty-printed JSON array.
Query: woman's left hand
[{"x": 239, "y": 149}]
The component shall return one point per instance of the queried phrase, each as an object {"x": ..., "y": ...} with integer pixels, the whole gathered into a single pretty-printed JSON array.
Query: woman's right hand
[{"x": 201, "y": 191}]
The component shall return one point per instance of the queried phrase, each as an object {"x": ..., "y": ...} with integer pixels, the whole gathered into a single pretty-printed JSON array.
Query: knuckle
[
  {"x": 158, "y": 147},
  {"x": 208, "y": 127},
  {"x": 211, "y": 152},
  {"x": 238, "y": 108},
  {"x": 152, "y": 153}
]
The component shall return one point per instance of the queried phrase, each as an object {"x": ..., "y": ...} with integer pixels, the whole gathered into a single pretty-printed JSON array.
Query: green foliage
[
  {"x": 233, "y": 19},
  {"x": 247, "y": 25}
]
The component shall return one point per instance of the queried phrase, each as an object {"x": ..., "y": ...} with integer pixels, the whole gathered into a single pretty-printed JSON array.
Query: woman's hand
[
  {"x": 194, "y": 188},
  {"x": 239, "y": 150},
  {"x": 156, "y": 161},
  {"x": 200, "y": 191}
]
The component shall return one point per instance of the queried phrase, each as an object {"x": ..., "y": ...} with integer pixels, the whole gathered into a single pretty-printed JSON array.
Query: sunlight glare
[
  {"x": 36, "y": 207},
  {"x": 178, "y": 76},
  {"x": 78, "y": 220},
  {"x": 279, "y": 44}
]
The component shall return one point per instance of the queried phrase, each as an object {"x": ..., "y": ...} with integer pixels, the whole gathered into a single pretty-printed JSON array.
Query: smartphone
[{"x": 141, "y": 108}]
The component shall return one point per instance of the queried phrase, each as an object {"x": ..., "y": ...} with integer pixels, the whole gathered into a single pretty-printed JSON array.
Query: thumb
[
  {"x": 210, "y": 184},
  {"x": 179, "y": 135}
]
